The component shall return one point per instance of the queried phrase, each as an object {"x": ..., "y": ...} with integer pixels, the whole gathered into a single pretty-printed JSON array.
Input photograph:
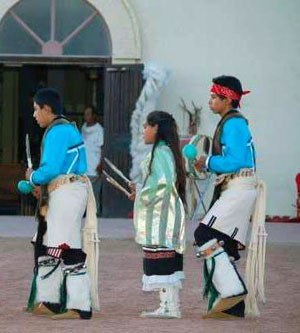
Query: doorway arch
[{"x": 116, "y": 22}]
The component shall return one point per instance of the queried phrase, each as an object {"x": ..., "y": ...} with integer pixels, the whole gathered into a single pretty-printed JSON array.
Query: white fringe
[
  {"x": 156, "y": 77},
  {"x": 91, "y": 245},
  {"x": 255, "y": 268}
]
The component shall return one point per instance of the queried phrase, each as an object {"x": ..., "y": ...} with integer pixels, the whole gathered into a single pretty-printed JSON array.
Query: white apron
[{"x": 232, "y": 211}]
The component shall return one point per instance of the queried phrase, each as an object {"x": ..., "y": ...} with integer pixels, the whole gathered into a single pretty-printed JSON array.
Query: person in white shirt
[{"x": 93, "y": 137}]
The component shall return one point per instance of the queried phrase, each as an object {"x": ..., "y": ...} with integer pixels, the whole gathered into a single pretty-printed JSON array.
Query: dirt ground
[{"x": 122, "y": 299}]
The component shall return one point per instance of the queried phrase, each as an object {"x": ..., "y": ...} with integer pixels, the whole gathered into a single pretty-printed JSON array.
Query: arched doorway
[
  {"x": 117, "y": 15},
  {"x": 69, "y": 46},
  {"x": 61, "y": 28}
]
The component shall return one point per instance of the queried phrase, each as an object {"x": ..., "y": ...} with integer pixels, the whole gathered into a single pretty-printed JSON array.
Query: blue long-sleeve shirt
[
  {"x": 237, "y": 148},
  {"x": 63, "y": 153}
]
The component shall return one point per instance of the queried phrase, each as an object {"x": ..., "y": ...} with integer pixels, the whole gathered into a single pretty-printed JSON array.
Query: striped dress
[{"x": 159, "y": 217}]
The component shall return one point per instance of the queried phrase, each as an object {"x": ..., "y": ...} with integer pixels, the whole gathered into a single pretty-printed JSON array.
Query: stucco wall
[{"x": 259, "y": 42}]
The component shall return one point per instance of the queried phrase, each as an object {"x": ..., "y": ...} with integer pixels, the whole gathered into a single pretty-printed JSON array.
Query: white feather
[{"x": 156, "y": 77}]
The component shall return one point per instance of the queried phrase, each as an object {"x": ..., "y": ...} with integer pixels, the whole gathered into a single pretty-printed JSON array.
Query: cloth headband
[{"x": 227, "y": 92}]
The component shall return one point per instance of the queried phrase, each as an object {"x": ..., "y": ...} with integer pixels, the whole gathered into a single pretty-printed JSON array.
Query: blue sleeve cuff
[{"x": 31, "y": 179}]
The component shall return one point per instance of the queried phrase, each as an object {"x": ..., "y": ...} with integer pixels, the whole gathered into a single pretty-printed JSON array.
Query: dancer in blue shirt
[
  {"x": 61, "y": 285},
  {"x": 222, "y": 232}
]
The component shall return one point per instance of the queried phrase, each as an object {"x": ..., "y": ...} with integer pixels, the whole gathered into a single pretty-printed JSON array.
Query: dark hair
[
  {"x": 95, "y": 114},
  {"x": 167, "y": 131},
  {"x": 93, "y": 109},
  {"x": 230, "y": 82},
  {"x": 50, "y": 97}
]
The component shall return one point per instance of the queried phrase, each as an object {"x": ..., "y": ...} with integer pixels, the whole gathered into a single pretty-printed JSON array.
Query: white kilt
[
  {"x": 67, "y": 205},
  {"x": 231, "y": 212}
]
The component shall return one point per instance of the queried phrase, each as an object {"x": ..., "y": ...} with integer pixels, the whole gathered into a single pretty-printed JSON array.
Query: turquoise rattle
[
  {"x": 25, "y": 187},
  {"x": 190, "y": 151}
]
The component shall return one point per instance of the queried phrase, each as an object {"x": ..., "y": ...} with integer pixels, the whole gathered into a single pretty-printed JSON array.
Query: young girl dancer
[{"x": 159, "y": 216}]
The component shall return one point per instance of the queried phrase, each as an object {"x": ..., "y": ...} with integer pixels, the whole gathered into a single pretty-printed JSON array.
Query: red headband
[{"x": 227, "y": 92}]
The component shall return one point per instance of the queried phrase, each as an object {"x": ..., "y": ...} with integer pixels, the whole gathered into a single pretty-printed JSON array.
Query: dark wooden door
[
  {"x": 1, "y": 110},
  {"x": 123, "y": 84}
]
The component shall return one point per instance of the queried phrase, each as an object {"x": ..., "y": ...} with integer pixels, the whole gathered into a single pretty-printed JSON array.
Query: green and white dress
[{"x": 159, "y": 221}]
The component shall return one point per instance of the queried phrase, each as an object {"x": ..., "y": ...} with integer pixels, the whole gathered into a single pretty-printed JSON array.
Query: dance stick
[
  {"x": 117, "y": 171},
  {"x": 115, "y": 183}
]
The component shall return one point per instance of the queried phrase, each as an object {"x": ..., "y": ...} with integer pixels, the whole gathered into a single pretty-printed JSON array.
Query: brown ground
[{"x": 122, "y": 299}]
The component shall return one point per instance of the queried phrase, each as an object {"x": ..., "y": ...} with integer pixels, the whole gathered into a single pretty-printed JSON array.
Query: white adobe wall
[
  {"x": 259, "y": 42},
  {"x": 123, "y": 28}
]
